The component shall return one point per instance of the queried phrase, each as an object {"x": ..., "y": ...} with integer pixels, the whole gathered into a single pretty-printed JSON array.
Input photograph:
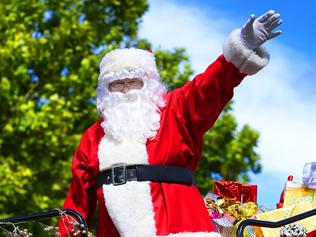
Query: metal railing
[{"x": 49, "y": 214}]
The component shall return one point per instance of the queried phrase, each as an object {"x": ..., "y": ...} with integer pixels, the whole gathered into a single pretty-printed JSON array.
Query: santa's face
[{"x": 130, "y": 111}]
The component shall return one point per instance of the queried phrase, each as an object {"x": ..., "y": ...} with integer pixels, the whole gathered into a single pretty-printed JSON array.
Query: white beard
[{"x": 131, "y": 117}]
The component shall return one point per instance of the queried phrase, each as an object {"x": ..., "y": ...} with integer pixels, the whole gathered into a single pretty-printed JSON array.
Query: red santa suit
[{"x": 147, "y": 209}]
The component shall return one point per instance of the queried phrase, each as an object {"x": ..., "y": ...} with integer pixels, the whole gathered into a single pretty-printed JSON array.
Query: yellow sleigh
[{"x": 270, "y": 225}]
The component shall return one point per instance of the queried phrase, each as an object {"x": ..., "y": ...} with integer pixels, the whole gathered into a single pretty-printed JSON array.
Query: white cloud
[
  {"x": 272, "y": 101},
  {"x": 169, "y": 25}
]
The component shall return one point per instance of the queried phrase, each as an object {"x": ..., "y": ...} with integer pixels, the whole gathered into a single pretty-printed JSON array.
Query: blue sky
[
  {"x": 299, "y": 19},
  {"x": 279, "y": 101}
]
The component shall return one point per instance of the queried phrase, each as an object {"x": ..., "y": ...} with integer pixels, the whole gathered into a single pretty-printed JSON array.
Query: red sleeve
[
  {"x": 82, "y": 192},
  {"x": 200, "y": 101}
]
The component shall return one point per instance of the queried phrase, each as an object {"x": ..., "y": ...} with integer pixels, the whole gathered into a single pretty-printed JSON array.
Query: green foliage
[
  {"x": 174, "y": 67},
  {"x": 49, "y": 56}
]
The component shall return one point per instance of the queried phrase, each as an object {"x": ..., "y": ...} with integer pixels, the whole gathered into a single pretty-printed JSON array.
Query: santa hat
[{"x": 128, "y": 63}]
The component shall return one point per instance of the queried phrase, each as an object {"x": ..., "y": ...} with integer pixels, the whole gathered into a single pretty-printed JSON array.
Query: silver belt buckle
[{"x": 118, "y": 174}]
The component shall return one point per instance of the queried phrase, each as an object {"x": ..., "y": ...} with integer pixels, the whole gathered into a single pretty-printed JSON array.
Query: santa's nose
[{"x": 125, "y": 90}]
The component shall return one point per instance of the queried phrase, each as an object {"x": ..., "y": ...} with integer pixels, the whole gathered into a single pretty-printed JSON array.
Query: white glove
[{"x": 257, "y": 31}]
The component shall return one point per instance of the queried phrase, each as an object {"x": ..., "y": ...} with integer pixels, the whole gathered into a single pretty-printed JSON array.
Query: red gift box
[
  {"x": 311, "y": 234},
  {"x": 237, "y": 191}
]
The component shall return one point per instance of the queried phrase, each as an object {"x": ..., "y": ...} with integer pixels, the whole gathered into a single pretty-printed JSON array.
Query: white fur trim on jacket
[
  {"x": 246, "y": 60},
  {"x": 128, "y": 63},
  {"x": 196, "y": 234},
  {"x": 129, "y": 205},
  {"x": 111, "y": 153}
]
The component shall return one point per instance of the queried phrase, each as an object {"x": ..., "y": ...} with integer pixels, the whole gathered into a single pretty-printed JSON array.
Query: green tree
[{"x": 49, "y": 56}]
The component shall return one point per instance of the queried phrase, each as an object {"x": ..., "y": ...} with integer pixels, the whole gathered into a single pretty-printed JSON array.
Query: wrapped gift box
[
  {"x": 237, "y": 191},
  {"x": 226, "y": 213},
  {"x": 295, "y": 192},
  {"x": 223, "y": 226}
]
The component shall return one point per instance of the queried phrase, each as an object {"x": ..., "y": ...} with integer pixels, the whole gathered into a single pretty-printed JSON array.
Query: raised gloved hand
[{"x": 257, "y": 31}]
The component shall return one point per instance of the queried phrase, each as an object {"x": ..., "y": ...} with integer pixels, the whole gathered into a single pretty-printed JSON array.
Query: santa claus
[{"x": 137, "y": 161}]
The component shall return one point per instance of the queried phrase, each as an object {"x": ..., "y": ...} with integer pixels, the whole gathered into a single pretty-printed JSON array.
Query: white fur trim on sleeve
[{"x": 246, "y": 60}]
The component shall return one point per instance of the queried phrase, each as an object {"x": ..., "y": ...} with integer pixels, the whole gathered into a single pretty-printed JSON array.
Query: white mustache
[{"x": 130, "y": 96}]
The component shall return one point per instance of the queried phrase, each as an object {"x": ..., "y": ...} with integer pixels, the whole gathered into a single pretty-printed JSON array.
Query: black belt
[{"x": 121, "y": 173}]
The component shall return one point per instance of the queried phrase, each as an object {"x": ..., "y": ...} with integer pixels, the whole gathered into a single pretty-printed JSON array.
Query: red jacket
[{"x": 168, "y": 209}]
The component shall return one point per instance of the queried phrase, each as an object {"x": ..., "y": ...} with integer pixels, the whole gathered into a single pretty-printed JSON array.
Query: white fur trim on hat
[
  {"x": 246, "y": 60},
  {"x": 128, "y": 63}
]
